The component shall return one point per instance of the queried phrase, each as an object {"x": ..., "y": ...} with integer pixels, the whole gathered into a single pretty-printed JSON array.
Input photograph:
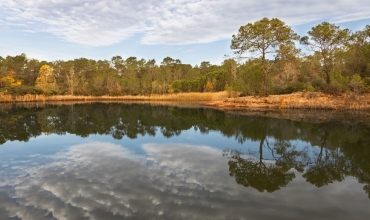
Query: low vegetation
[
  {"x": 196, "y": 97},
  {"x": 298, "y": 100}
]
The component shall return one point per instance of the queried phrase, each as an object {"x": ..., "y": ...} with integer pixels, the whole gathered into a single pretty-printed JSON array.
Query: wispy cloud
[{"x": 100, "y": 23}]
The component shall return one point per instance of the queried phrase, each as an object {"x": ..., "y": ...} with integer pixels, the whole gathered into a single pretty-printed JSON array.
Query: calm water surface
[{"x": 132, "y": 161}]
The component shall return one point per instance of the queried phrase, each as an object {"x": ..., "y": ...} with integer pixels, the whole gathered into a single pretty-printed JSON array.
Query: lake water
[{"x": 137, "y": 161}]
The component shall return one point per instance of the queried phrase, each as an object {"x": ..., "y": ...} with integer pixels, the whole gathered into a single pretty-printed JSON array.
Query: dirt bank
[{"x": 299, "y": 100}]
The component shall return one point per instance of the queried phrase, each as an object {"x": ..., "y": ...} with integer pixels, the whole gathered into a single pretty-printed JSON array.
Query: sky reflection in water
[{"x": 186, "y": 176}]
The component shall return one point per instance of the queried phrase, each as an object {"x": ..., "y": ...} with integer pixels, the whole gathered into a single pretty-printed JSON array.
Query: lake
[{"x": 141, "y": 161}]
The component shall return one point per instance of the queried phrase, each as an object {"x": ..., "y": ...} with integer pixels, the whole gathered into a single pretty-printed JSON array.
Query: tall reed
[{"x": 206, "y": 96}]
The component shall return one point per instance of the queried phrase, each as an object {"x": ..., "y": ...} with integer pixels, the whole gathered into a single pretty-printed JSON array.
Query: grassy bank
[
  {"x": 299, "y": 100},
  {"x": 206, "y": 96}
]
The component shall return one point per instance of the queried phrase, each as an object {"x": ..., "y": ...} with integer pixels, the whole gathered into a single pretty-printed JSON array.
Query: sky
[{"x": 190, "y": 30}]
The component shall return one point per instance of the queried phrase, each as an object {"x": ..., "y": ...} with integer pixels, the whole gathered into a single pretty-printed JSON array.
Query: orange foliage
[
  {"x": 208, "y": 87},
  {"x": 9, "y": 80}
]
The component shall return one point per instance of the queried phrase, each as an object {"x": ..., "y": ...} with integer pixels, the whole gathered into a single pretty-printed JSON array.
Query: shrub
[
  {"x": 310, "y": 88},
  {"x": 318, "y": 84},
  {"x": 287, "y": 90},
  {"x": 299, "y": 86},
  {"x": 356, "y": 84},
  {"x": 367, "y": 81},
  {"x": 21, "y": 90},
  {"x": 338, "y": 82}
]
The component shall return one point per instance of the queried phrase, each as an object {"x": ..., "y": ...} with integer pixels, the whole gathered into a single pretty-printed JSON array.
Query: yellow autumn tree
[
  {"x": 9, "y": 80},
  {"x": 170, "y": 89},
  {"x": 46, "y": 80},
  {"x": 208, "y": 87}
]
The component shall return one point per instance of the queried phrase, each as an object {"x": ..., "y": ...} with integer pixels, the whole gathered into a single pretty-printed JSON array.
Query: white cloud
[
  {"x": 95, "y": 23},
  {"x": 100, "y": 23}
]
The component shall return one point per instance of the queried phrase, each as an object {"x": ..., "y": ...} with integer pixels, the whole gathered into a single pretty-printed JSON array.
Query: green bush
[
  {"x": 338, "y": 83},
  {"x": 299, "y": 86},
  {"x": 356, "y": 84},
  {"x": 367, "y": 81},
  {"x": 51, "y": 92},
  {"x": 310, "y": 88},
  {"x": 319, "y": 84},
  {"x": 287, "y": 90},
  {"x": 21, "y": 90}
]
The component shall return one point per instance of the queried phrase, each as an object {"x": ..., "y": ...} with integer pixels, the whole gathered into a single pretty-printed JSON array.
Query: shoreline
[
  {"x": 189, "y": 97},
  {"x": 220, "y": 100},
  {"x": 297, "y": 110},
  {"x": 298, "y": 100}
]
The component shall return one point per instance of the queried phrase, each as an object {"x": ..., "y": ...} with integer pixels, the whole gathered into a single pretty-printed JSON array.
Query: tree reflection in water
[
  {"x": 263, "y": 174},
  {"x": 327, "y": 163},
  {"x": 257, "y": 173},
  {"x": 333, "y": 150}
]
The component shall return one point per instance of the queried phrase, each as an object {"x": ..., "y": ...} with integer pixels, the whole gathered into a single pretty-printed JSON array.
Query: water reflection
[
  {"x": 259, "y": 173},
  {"x": 105, "y": 181},
  {"x": 313, "y": 167},
  {"x": 325, "y": 164}
]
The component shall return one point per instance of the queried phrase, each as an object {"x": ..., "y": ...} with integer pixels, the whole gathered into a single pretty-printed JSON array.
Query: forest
[{"x": 268, "y": 58}]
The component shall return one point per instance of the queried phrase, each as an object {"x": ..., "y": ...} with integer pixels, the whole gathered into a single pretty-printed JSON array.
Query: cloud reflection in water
[{"x": 101, "y": 180}]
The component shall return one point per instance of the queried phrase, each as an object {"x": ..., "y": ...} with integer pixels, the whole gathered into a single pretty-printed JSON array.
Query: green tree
[
  {"x": 250, "y": 78},
  {"x": 31, "y": 72},
  {"x": 83, "y": 70},
  {"x": 70, "y": 79},
  {"x": 327, "y": 39},
  {"x": 230, "y": 66},
  {"x": 171, "y": 69},
  {"x": 17, "y": 64},
  {"x": 118, "y": 64},
  {"x": 264, "y": 37},
  {"x": 204, "y": 67},
  {"x": 358, "y": 55}
]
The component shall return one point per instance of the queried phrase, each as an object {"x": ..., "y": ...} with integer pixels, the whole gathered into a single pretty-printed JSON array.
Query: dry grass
[
  {"x": 196, "y": 97},
  {"x": 299, "y": 100},
  {"x": 192, "y": 96},
  {"x": 323, "y": 101}
]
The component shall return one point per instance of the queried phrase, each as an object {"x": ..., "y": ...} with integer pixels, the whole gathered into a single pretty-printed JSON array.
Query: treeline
[
  {"x": 118, "y": 76},
  {"x": 337, "y": 61}
]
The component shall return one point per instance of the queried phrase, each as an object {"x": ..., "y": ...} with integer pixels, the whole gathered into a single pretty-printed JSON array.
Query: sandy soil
[{"x": 299, "y": 100}]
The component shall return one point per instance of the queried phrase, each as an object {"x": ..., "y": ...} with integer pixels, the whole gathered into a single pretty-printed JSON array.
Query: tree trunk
[{"x": 265, "y": 75}]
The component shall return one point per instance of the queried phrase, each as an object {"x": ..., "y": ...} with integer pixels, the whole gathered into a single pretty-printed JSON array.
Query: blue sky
[{"x": 190, "y": 30}]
